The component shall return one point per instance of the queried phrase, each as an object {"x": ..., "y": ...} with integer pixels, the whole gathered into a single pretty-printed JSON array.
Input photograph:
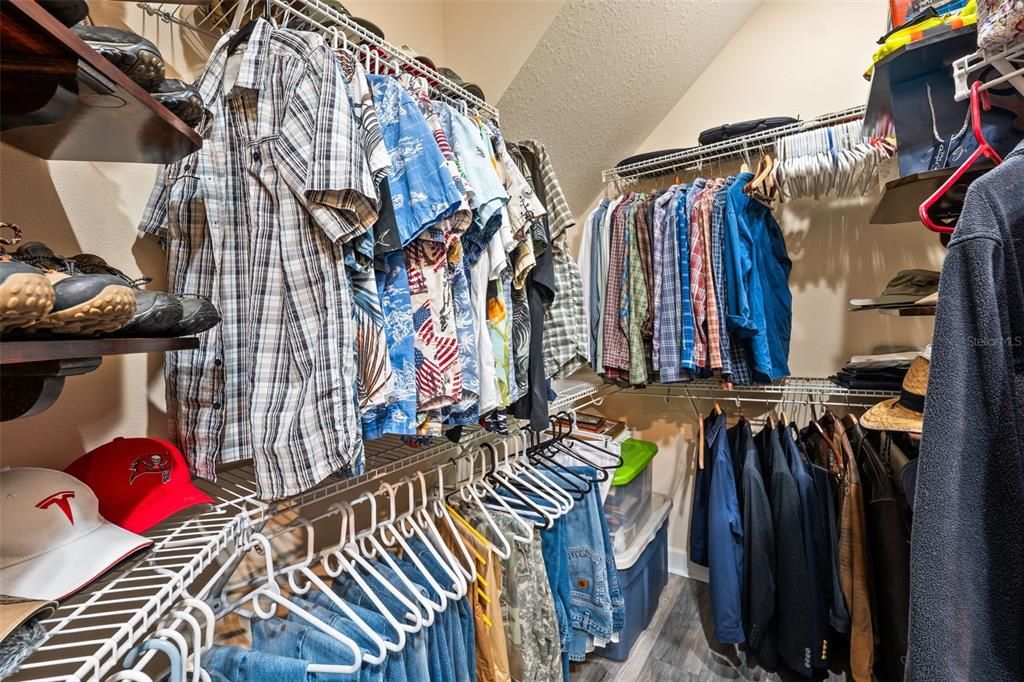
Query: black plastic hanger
[{"x": 241, "y": 36}]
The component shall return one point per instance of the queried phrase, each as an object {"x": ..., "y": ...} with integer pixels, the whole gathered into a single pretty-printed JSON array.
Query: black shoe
[
  {"x": 133, "y": 54},
  {"x": 84, "y": 304},
  {"x": 198, "y": 315},
  {"x": 156, "y": 312},
  {"x": 182, "y": 99},
  {"x": 68, "y": 12}
]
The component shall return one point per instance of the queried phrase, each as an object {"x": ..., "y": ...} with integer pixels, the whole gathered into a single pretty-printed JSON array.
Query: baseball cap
[
  {"x": 14, "y": 611},
  {"x": 907, "y": 287},
  {"x": 53, "y": 541},
  {"x": 139, "y": 481}
]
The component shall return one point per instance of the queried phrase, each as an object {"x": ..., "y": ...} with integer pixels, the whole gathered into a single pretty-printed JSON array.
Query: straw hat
[{"x": 905, "y": 413}]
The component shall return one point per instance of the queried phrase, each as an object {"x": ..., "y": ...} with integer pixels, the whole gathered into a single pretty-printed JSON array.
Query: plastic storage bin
[
  {"x": 628, "y": 504},
  {"x": 643, "y": 574}
]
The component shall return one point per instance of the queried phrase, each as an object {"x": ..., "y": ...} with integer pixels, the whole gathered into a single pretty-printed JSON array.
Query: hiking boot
[
  {"x": 26, "y": 295},
  {"x": 182, "y": 99},
  {"x": 156, "y": 311},
  {"x": 68, "y": 12},
  {"x": 84, "y": 304},
  {"x": 138, "y": 58},
  {"x": 198, "y": 315}
]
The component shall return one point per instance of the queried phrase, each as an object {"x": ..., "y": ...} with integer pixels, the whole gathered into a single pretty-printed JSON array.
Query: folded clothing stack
[{"x": 883, "y": 372}]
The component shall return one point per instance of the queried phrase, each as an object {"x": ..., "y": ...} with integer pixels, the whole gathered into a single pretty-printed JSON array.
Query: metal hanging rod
[
  {"x": 688, "y": 159},
  {"x": 794, "y": 389},
  {"x": 312, "y": 14}
]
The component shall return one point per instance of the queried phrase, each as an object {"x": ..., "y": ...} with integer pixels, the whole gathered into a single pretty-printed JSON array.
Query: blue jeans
[
  {"x": 321, "y": 606},
  {"x": 303, "y": 642},
  {"x": 415, "y": 658},
  {"x": 234, "y": 664},
  {"x": 437, "y": 641},
  {"x": 596, "y": 598}
]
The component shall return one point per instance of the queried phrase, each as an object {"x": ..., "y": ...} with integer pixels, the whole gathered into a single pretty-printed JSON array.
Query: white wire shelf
[
  {"x": 90, "y": 633},
  {"x": 1009, "y": 63},
  {"x": 688, "y": 159}
]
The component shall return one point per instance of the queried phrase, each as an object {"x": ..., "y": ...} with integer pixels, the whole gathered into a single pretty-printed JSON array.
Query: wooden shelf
[
  {"x": 902, "y": 197},
  {"x": 63, "y": 100},
  {"x": 20, "y": 352},
  {"x": 33, "y": 372}
]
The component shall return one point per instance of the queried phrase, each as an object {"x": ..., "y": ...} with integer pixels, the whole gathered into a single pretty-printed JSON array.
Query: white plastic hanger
[
  {"x": 467, "y": 569},
  {"x": 303, "y": 569},
  {"x": 557, "y": 495},
  {"x": 412, "y": 614},
  {"x": 469, "y": 494},
  {"x": 369, "y": 536},
  {"x": 272, "y": 591},
  {"x": 545, "y": 506},
  {"x": 500, "y": 504},
  {"x": 347, "y": 550},
  {"x": 390, "y": 536},
  {"x": 417, "y": 521}
]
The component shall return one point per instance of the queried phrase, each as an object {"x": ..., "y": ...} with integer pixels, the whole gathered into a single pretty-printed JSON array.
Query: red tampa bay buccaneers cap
[{"x": 139, "y": 481}]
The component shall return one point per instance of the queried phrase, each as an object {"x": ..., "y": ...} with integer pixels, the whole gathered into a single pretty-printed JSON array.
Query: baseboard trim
[{"x": 679, "y": 564}]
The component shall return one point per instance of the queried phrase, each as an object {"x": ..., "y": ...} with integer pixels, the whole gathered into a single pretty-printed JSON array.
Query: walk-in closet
[{"x": 511, "y": 340}]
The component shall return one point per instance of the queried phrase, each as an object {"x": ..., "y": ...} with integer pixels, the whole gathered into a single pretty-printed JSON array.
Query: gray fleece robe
[{"x": 967, "y": 550}]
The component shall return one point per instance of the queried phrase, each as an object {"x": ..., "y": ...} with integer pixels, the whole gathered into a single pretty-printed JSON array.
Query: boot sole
[
  {"x": 145, "y": 67},
  {"x": 25, "y": 299},
  {"x": 106, "y": 312}
]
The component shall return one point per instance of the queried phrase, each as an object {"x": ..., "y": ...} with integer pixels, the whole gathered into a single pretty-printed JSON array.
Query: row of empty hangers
[
  {"x": 824, "y": 161},
  {"x": 524, "y": 476}
]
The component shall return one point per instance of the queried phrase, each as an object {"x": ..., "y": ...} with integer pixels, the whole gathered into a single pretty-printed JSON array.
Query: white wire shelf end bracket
[
  {"x": 689, "y": 159},
  {"x": 1008, "y": 63},
  {"x": 325, "y": 19}
]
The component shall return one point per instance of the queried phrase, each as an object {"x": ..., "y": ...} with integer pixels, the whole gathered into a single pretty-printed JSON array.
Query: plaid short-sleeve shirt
[{"x": 255, "y": 220}]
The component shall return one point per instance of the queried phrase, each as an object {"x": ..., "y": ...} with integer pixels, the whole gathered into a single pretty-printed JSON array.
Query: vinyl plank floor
[{"x": 678, "y": 646}]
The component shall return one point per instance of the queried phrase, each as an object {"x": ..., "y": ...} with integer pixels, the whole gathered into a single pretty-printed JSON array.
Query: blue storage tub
[{"x": 642, "y": 580}]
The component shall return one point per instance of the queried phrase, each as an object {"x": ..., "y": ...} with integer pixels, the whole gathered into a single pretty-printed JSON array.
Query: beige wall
[
  {"x": 80, "y": 207},
  {"x": 487, "y": 41},
  {"x": 792, "y": 58}
]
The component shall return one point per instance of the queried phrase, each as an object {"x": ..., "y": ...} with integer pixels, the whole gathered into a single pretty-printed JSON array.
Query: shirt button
[
  {"x": 256, "y": 156},
  {"x": 216, "y": 405},
  {"x": 218, "y": 362},
  {"x": 187, "y": 167}
]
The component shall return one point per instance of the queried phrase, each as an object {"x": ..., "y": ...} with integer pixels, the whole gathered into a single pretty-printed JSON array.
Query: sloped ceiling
[{"x": 606, "y": 72}]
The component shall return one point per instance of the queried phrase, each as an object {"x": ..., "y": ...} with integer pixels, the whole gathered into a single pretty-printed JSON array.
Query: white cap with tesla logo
[{"x": 53, "y": 541}]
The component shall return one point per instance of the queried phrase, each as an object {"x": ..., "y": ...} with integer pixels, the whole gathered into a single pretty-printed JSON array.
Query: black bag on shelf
[{"x": 732, "y": 130}]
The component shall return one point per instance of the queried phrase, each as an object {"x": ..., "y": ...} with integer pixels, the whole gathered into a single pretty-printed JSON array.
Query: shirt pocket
[{"x": 186, "y": 207}]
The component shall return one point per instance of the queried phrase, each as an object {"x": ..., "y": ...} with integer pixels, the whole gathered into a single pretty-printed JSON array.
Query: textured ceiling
[{"x": 606, "y": 72}]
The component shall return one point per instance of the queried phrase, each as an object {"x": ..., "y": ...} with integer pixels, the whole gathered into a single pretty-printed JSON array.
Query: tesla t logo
[
  {"x": 62, "y": 500},
  {"x": 151, "y": 464}
]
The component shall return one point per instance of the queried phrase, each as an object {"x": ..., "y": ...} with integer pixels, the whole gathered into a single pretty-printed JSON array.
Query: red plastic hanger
[{"x": 979, "y": 101}]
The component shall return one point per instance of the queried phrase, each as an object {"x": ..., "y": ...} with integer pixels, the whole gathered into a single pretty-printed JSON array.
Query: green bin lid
[{"x": 636, "y": 455}]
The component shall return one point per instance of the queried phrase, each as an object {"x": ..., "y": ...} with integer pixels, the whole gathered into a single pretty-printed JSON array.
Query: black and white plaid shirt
[{"x": 256, "y": 220}]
